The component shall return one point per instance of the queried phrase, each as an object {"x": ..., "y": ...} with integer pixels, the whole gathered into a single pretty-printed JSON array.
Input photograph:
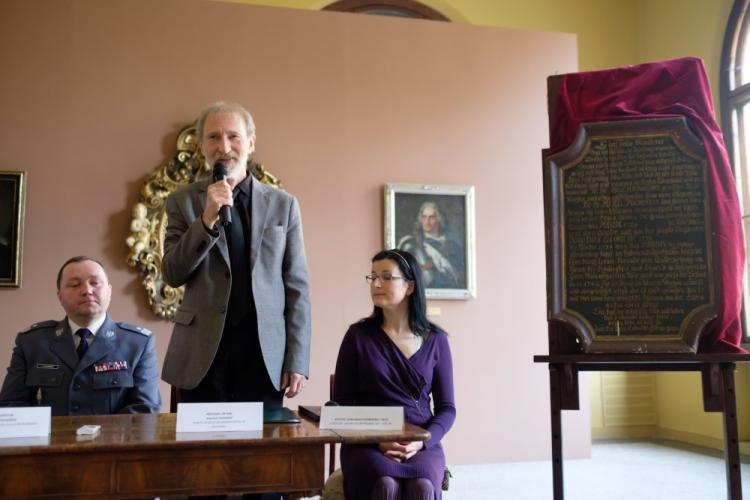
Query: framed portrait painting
[
  {"x": 436, "y": 224},
  {"x": 12, "y": 202}
]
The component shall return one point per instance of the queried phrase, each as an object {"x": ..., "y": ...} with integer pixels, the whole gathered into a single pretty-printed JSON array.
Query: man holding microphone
[{"x": 242, "y": 332}]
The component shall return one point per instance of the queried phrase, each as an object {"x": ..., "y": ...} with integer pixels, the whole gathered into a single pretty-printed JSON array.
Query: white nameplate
[
  {"x": 26, "y": 421},
  {"x": 24, "y": 441},
  {"x": 362, "y": 418},
  {"x": 217, "y": 436},
  {"x": 222, "y": 417}
]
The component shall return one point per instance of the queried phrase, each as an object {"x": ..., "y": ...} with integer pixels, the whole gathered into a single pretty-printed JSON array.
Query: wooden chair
[
  {"x": 332, "y": 449},
  {"x": 334, "y": 486},
  {"x": 174, "y": 398}
]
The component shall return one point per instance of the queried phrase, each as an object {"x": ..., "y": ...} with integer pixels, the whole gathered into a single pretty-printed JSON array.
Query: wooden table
[
  {"x": 137, "y": 456},
  {"x": 717, "y": 375}
]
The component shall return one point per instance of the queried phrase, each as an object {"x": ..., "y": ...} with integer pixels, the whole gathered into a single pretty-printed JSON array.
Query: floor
[
  {"x": 642, "y": 470},
  {"x": 624, "y": 470}
]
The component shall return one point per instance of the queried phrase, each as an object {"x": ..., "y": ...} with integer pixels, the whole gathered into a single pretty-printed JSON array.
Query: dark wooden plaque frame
[{"x": 570, "y": 331}]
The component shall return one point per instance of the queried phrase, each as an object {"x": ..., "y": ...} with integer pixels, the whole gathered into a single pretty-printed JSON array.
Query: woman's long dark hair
[{"x": 409, "y": 267}]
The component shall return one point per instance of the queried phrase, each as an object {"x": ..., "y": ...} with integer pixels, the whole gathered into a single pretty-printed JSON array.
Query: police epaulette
[
  {"x": 135, "y": 328},
  {"x": 41, "y": 324}
]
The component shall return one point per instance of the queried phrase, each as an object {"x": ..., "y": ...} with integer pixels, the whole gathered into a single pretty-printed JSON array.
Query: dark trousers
[{"x": 238, "y": 372}]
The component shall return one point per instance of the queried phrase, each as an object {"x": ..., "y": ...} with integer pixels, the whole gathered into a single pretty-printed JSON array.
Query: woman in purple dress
[{"x": 396, "y": 357}]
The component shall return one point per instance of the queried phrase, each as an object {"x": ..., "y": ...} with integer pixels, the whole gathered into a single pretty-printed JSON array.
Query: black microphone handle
[
  {"x": 220, "y": 174},
  {"x": 225, "y": 215}
]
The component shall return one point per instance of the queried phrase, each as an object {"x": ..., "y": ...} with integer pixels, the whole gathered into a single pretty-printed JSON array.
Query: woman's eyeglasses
[{"x": 386, "y": 278}]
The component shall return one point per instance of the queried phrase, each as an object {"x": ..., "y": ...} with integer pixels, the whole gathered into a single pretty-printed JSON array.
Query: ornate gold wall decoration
[{"x": 149, "y": 224}]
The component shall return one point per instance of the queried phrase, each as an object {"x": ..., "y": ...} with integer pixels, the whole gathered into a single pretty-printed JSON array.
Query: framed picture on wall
[
  {"x": 436, "y": 224},
  {"x": 12, "y": 203}
]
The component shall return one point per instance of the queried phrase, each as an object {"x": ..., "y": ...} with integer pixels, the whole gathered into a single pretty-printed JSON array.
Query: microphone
[{"x": 225, "y": 214}]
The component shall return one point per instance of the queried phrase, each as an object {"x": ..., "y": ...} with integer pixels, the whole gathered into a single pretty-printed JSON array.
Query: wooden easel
[{"x": 717, "y": 376}]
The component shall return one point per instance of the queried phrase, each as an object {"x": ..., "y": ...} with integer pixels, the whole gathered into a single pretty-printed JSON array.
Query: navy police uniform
[{"x": 117, "y": 374}]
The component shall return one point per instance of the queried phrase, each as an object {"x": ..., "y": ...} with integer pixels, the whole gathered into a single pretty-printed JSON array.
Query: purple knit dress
[{"x": 372, "y": 371}]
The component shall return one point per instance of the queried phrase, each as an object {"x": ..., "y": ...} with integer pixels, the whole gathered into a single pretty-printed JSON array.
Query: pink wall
[{"x": 94, "y": 92}]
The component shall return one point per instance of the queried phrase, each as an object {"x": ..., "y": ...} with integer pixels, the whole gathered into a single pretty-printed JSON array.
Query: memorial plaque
[{"x": 629, "y": 241}]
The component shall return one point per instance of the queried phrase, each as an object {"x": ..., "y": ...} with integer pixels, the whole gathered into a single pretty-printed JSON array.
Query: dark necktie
[
  {"x": 83, "y": 346},
  {"x": 239, "y": 259}
]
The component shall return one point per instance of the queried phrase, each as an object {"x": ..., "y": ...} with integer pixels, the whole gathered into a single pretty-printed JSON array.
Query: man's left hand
[{"x": 292, "y": 383}]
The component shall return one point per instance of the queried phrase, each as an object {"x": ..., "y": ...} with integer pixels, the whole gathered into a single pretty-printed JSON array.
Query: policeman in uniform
[{"x": 85, "y": 364}]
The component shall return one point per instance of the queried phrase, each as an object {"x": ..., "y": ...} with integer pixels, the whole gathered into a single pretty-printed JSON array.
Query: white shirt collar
[{"x": 93, "y": 327}]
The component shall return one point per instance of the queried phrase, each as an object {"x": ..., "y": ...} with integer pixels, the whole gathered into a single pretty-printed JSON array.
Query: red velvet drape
[{"x": 668, "y": 88}]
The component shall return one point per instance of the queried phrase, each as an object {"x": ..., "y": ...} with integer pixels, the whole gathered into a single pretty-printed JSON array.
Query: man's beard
[{"x": 236, "y": 169}]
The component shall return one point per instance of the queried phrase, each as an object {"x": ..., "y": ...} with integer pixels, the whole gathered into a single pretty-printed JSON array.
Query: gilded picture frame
[
  {"x": 12, "y": 211},
  {"x": 436, "y": 224}
]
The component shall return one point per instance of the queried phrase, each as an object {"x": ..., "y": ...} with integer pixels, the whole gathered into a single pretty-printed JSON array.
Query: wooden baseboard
[
  {"x": 690, "y": 438},
  {"x": 624, "y": 432},
  {"x": 656, "y": 432},
  {"x": 700, "y": 440}
]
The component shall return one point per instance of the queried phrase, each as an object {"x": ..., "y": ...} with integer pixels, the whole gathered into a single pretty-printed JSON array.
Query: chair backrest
[
  {"x": 332, "y": 447},
  {"x": 174, "y": 399}
]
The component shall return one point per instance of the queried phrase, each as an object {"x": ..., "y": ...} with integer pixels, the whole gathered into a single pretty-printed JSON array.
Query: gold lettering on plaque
[{"x": 635, "y": 254}]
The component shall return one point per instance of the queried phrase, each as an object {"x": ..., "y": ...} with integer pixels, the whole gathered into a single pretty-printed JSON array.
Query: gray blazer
[
  {"x": 200, "y": 261},
  {"x": 117, "y": 374}
]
